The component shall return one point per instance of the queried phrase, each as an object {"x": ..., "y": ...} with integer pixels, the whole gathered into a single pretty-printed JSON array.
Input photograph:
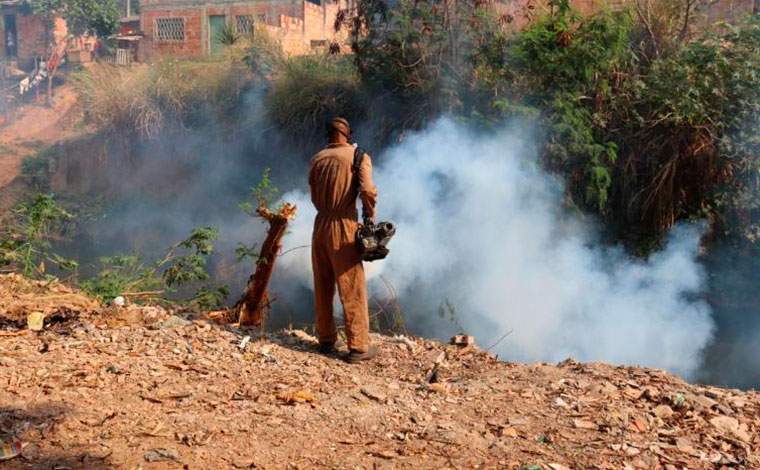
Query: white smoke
[{"x": 481, "y": 225}]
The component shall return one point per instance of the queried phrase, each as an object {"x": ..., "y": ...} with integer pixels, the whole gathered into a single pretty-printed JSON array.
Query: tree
[{"x": 97, "y": 17}]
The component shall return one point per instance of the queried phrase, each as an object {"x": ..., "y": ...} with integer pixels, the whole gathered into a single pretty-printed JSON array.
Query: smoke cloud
[{"x": 481, "y": 226}]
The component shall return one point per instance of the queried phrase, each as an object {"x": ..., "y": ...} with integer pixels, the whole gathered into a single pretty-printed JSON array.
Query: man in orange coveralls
[{"x": 338, "y": 175}]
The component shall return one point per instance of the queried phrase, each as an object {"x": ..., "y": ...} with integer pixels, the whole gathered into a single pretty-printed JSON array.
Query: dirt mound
[
  {"x": 20, "y": 297},
  {"x": 61, "y": 305},
  {"x": 186, "y": 393}
]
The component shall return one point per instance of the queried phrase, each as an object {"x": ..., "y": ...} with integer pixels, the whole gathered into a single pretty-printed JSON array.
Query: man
[{"x": 335, "y": 185}]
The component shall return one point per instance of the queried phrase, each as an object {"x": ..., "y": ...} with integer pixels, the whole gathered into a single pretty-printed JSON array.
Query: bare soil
[
  {"x": 139, "y": 387},
  {"x": 36, "y": 126}
]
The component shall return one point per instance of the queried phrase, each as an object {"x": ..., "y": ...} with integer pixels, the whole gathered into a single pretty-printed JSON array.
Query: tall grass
[
  {"x": 145, "y": 101},
  {"x": 307, "y": 91}
]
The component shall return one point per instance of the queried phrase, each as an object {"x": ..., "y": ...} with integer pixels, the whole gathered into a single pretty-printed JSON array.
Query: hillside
[
  {"x": 135, "y": 387},
  {"x": 36, "y": 127}
]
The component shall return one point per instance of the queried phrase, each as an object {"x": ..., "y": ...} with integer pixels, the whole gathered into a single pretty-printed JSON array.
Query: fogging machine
[{"x": 372, "y": 239}]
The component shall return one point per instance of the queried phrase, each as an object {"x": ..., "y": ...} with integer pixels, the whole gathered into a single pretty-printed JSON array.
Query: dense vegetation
[{"x": 649, "y": 119}]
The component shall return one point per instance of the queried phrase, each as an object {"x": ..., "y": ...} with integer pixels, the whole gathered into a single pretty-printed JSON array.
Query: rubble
[{"x": 126, "y": 388}]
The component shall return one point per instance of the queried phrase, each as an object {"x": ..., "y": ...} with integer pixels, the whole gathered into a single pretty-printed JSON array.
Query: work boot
[
  {"x": 329, "y": 348},
  {"x": 355, "y": 357}
]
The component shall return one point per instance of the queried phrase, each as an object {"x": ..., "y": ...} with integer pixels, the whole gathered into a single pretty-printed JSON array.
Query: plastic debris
[
  {"x": 401, "y": 339},
  {"x": 35, "y": 321},
  {"x": 462, "y": 340},
  {"x": 9, "y": 450}
]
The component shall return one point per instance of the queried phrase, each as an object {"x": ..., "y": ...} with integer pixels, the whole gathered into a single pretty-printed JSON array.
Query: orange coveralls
[{"x": 334, "y": 254}]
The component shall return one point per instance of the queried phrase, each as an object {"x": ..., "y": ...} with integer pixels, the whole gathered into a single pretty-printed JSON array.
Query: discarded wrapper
[
  {"x": 35, "y": 321},
  {"x": 8, "y": 450}
]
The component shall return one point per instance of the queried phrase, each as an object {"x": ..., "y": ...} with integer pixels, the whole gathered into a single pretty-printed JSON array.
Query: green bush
[
  {"x": 183, "y": 265},
  {"x": 308, "y": 91},
  {"x": 26, "y": 240},
  {"x": 643, "y": 140}
]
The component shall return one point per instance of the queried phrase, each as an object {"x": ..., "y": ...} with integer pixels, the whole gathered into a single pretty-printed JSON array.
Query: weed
[
  {"x": 447, "y": 310},
  {"x": 36, "y": 170},
  {"x": 26, "y": 242},
  {"x": 183, "y": 264}
]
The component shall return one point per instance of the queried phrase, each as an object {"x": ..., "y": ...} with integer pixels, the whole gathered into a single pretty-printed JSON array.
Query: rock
[
  {"x": 509, "y": 432},
  {"x": 119, "y": 301},
  {"x": 161, "y": 455},
  {"x": 704, "y": 401},
  {"x": 558, "y": 466},
  {"x": 684, "y": 446},
  {"x": 435, "y": 356},
  {"x": 7, "y": 361},
  {"x": 725, "y": 424},
  {"x": 732, "y": 428},
  {"x": 663, "y": 411},
  {"x": 374, "y": 393},
  {"x": 742, "y": 434},
  {"x": 583, "y": 424},
  {"x": 639, "y": 425},
  {"x": 172, "y": 321}
]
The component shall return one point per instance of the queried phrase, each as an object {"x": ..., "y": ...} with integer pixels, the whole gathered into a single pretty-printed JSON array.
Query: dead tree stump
[{"x": 255, "y": 298}]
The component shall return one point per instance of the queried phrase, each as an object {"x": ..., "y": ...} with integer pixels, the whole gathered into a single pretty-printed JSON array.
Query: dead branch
[{"x": 255, "y": 299}]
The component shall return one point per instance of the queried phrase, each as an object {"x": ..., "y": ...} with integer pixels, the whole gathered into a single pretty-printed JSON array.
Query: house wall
[
  {"x": 294, "y": 23},
  {"x": 31, "y": 36}
]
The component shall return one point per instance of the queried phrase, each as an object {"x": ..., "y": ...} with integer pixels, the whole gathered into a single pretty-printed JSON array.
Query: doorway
[
  {"x": 10, "y": 36},
  {"x": 216, "y": 26}
]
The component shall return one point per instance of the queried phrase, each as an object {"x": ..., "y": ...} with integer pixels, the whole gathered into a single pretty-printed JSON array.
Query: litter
[
  {"x": 35, "y": 321},
  {"x": 9, "y": 450}
]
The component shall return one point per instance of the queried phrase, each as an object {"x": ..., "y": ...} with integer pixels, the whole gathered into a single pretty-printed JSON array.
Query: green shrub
[
  {"x": 183, "y": 265},
  {"x": 308, "y": 91},
  {"x": 26, "y": 241}
]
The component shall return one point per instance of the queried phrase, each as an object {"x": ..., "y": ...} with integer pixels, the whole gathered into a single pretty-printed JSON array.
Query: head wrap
[{"x": 341, "y": 126}]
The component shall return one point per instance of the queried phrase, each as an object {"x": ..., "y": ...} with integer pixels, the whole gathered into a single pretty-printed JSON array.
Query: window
[
  {"x": 244, "y": 24},
  {"x": 170, "y": 30}
]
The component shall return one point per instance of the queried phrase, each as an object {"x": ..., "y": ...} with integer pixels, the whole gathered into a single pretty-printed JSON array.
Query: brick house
[
  {"x": 189, "y": 28},
  {"x": 24, "y": 36}
]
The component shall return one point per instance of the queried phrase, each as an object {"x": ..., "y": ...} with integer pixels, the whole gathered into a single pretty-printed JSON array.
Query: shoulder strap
[{"x": 358, "y": 157}]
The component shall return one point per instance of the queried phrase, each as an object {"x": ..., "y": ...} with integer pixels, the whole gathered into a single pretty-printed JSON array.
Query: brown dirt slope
[
  {"x": 36, "y": 127},
  {"x": 111, "y": 388}
]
